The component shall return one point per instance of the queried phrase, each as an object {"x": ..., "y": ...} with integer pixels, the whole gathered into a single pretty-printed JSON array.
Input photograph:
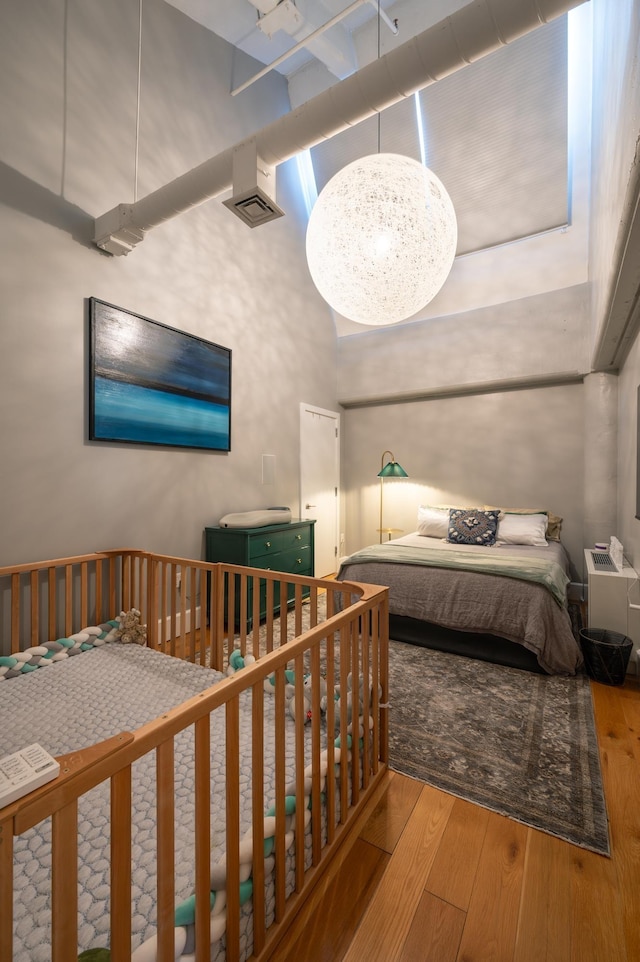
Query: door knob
[{"x": 310, "y": 505}]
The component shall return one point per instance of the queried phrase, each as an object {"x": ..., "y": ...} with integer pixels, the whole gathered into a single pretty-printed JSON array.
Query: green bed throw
[{"x": 547, "y": 573}]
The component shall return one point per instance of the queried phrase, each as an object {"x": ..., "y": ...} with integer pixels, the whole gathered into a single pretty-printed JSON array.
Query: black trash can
[{"x": 606, "y": 654}]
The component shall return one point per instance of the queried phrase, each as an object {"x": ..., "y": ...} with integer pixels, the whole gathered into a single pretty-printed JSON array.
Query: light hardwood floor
[{"x": 432, "y": 878}]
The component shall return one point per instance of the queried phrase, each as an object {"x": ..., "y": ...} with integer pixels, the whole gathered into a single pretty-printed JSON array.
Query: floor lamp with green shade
[{"x": 389, "y": 470}]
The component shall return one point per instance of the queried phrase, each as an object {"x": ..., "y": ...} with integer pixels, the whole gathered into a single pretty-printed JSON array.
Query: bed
[
  {"x": 206, "y": 781},
  {"x": 504, "y": 601}
]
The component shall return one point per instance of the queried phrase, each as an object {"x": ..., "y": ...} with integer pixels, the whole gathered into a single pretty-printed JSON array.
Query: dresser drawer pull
[
  {"x": 298, "y": 561},
  {"x": 267, "y": 544},
  {"x": 298, "y": 537}
]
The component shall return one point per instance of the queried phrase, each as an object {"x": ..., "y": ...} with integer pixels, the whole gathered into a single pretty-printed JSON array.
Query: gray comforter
[{"x": 522, "y": 611}]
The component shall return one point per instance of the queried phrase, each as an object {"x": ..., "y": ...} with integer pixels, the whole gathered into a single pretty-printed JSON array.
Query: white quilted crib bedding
[{"x": 79, "y": 702}]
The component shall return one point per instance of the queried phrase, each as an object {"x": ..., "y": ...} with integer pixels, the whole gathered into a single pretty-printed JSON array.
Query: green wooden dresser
[{"x": 276, "y": 547}]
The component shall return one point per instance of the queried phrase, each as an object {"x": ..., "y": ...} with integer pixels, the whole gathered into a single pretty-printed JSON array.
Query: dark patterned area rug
[{"x": 518, "y": 743}]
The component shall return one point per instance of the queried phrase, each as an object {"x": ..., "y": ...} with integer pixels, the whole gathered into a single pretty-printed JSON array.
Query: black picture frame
[{"x": 152, "y": 384}]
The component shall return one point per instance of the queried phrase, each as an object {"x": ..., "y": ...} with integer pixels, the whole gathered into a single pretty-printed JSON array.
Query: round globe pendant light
[{"x": 381, "y": 239}]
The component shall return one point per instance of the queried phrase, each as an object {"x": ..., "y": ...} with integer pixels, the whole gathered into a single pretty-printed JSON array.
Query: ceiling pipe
[
  {"x": 302, "y": 44},
  {"x": 462, "y": 38}
]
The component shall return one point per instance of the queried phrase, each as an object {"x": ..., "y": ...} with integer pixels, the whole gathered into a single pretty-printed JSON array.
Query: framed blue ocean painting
[{"x": 153, "y": 384}]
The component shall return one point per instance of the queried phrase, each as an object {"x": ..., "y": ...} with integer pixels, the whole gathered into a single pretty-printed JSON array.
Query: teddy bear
[{"x": 130, "y": 631}]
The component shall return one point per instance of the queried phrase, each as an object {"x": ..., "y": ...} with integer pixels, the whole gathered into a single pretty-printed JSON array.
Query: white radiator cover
[{"x": 610, "y": 594}]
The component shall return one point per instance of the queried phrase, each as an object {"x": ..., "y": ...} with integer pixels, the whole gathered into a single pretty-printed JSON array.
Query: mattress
[
  {"x": 84, "y": 700},
  {"x": 476, "y": 599}
]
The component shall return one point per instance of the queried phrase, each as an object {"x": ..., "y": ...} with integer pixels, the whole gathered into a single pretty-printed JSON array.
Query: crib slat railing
[
  {"x": 35, "y": 609},
  {"x": 357, "y": 711},
  {"x": 297, "y": 609},
  {"x": 280, "y": 775},
  {"x": 64, "y": 880},
  {"x": 202, "y": 836},
  {"x": 51, "y": 603},
  {"x": 121, "y": 803},
  {"x": 165, "y": 820},
  {"x": 15, "y": 613},
  {"x": 300, "y": 767},
  {"x": 375, "y": 702},
  {"x": 100, "y": 613},
  {"x": 270, "y": 615},
  {"x": 51, "y": 599},
  {"x": 283, "y": 620},
  {"x": 255, "y": 618},
  {"x": 367, "y": 694},
  {"x": 84, "y": 594},
  {"x": 126, "y": 582},
  {"x": 232, "y": 716},
  {"x": 257, "y": 810},
  {"x": 113, "y": 593},
  {"x": 161, "y": 629},
  {"x": 183, "y": 635},
  {"x": 68, "y": 600},
  {"x": 174, "y": 593},
  {"x": 381, "y": 614},
  {"x": 218, "y": 613},
  {"x": 206, "y": 624},
  {"x": 243, "y": 594},
  {"x": 344, "y": 669},
  {"x": 6, "y": 888},
  {"x": 330, "y": 681},
  {"x": 191, "y": 616},
  {"x": 171, "y": 574},
  {"x": 85, "y": 770},
  {"x": 315, "y": 756},
  {"x": 79, "y": 772}
]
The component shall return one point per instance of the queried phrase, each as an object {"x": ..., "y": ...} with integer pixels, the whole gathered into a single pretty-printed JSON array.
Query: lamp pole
[{"x": 389, "y": 470}]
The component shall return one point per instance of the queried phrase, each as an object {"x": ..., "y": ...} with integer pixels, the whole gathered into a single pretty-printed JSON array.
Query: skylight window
[
  {"x": 307, "y": 179},
  {"x": 420, "y": 125}
]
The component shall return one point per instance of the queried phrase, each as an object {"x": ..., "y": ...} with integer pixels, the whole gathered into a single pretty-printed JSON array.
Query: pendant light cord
[
  {"x": 378, "y": 59},
  {"x": 135, "y": 164}
]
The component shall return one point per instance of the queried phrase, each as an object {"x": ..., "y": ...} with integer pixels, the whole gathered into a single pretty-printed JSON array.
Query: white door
[{"x": 320, "y": 482}]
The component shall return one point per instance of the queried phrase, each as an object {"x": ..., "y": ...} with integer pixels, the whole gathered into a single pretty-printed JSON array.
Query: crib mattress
[{"x": 79, "y": 702}]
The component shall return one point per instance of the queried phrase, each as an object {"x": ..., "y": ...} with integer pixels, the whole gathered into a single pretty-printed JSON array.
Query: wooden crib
[{"x": 327, "y": 632}]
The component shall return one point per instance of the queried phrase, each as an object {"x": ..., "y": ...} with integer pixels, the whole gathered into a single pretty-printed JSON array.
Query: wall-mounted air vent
[
  {"x": 254, "y": 207},
  {"x": 602, "y": 561}
]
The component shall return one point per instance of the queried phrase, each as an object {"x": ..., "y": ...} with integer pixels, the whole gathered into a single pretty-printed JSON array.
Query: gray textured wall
[
  {"x": 544, "y": 334},
  {"x": 616, "y": 124},
  {"x": 522, "y": 448},
  {"x": 510, "y": 449},
  {"x": 67, "y": 135}
]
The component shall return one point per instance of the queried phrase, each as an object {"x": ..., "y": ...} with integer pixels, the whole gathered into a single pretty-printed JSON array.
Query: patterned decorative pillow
[{"x": 472, "y": 526}]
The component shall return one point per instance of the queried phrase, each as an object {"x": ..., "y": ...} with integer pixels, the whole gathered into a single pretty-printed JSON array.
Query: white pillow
[
  {"x": 522, "y": 529},
  {"x": 433, "y": 522}
]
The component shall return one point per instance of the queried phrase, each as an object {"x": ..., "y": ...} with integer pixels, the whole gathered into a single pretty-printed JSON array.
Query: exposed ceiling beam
[
  {"x": 307, "y": 40},
  {"x": 468, "y": 389},
  {"x": 462, "y": 38}
]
